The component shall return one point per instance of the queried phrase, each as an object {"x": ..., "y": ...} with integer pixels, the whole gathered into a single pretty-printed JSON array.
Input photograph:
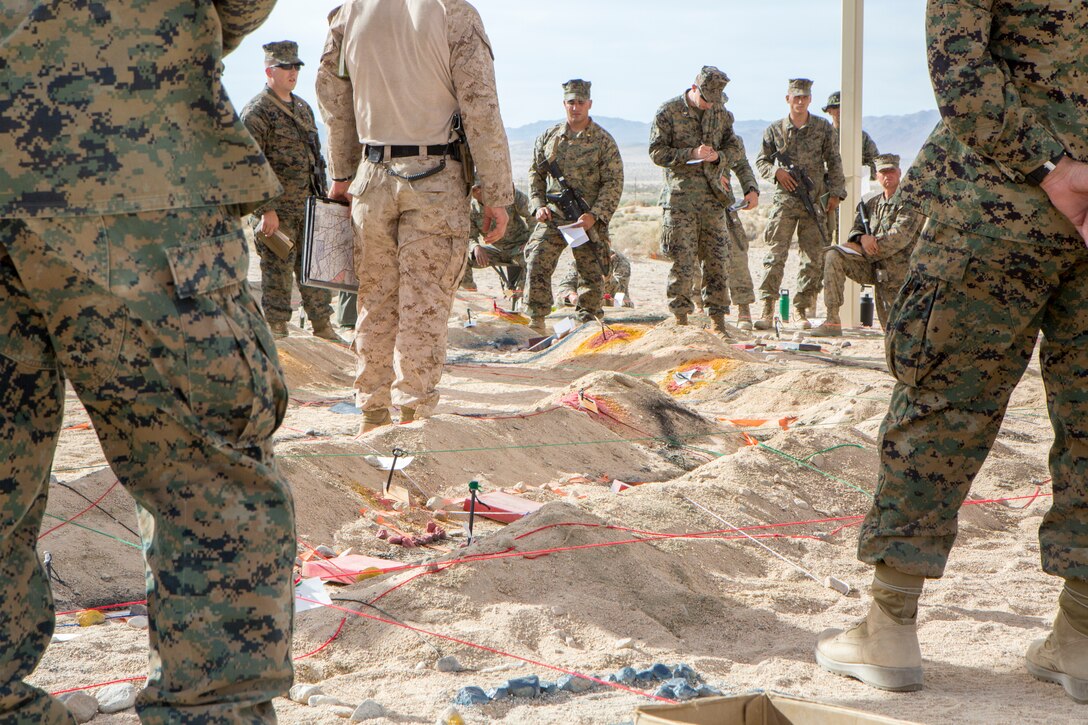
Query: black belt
[{"x": 376, "y": 154}]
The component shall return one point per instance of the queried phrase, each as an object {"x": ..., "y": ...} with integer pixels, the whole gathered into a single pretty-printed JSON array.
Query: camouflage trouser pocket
[
  {"x": 235, "y": 385},
  {"x": 927, "y": 324}
]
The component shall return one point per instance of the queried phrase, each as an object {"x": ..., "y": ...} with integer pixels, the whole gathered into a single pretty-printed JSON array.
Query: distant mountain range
[{"x": 901, "y": 135}]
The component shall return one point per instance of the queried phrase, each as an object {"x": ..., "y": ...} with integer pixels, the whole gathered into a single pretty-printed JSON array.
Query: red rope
[
  {"x": 100, "y": 684},
  {"x": 65, "y": 523}
]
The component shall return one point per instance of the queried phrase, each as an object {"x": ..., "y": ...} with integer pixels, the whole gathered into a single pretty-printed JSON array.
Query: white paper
[
  {"x": 575, "y": 235},
  {"x": 847, "y": 250},
  {"x": 386, "y": 462},
  {"x": 314, "y": 589},
  {"x": 694, "y": 161},
  {"x": 66, "y": 637},
  {"x": 563, "y": 327}
]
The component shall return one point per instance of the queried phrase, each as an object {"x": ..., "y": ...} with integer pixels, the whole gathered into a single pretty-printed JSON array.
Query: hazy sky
[{"x": 639, "y": 53}]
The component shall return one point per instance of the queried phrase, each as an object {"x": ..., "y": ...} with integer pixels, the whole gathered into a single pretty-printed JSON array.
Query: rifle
[
  {"x": 867, "y": 227},
  {"x": 804, "y": 190},
  {"x": 573, "y": 205}
]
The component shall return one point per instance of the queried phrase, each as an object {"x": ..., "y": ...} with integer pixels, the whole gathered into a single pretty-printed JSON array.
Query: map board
[{"x": 328, "y": 249}]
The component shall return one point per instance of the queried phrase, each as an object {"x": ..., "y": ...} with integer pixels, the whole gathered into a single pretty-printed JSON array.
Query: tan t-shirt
[{"x": 394, "y": 72}]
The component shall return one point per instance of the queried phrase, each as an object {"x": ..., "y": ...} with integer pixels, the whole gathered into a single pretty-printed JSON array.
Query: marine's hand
[
  {"x": 832, "y": 204},
  {"x": 543, "y": 214},
  {"x": 270, "y": 222},
  {"x": 495, "y": 220},
  {"x": 869, "y": 245},
  {"x": 785, "y": 180},
  {"x": 855, "y": 246},
  {"x": 339, "y": 190},
  {"x": 752, "y": 197},
  {"x": 481, "y": 256},
  {"x": 705, "y": 153},
  {"x": 586, "y": 221},
  {"x": 1067, "y": 187}
]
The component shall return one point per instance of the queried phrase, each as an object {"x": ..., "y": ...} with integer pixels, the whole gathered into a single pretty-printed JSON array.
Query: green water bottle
[{"x": 784, "y": 305}]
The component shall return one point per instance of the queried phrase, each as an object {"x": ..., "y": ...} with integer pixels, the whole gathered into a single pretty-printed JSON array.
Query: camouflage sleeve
[
  {"x": 608, "y": 198},
  {"x": 239, "y": 18},
  {"x": 767, "y": 161},
  {"x": 257, "y": 123},
  {"x": 473, "y": 70},
  {"x": 836, "y": 180},
  {"x": 335, "y": 101},
  {"x": 621, "y": 272},
  {"x": 904, "y": 232},
  {"x": 662, "y": 151},
  {"x": 743, "y": 169},
  {"x": 521, "y": 205},
  {"x": 978, "y": 101},
  {"x": 538, "y": 180}
]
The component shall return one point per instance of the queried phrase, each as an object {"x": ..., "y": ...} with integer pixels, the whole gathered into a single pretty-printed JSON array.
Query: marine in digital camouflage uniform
[
  {"x": 880, "y": 258},
  {"x": 616, "y": 282},
  {"x": 123, "y": 271},
  {"x": 588, "y": 157},
  {"x": 696, "y": 127},
  {"x": 508, "y": 252},
  {"x": 813, "y": 144},
  {"x": 389, "y": 106},
  {"x": 283, "y": 125},
  {"x": 1002, "y": 259},
  {"x": 869, "y": 152}
]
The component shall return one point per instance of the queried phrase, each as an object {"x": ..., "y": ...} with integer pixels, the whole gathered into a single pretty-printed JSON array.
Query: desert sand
[{"x": 780, "y": 444}]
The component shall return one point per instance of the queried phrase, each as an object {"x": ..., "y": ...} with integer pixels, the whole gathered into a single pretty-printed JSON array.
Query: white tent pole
[{"x": 853, "y": 31}]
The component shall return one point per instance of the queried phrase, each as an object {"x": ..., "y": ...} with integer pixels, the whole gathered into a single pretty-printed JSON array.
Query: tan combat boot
[
  {"x": 681, "y": 318},
  {"x": 766, "y": 318},
  {"x": 1062, "y": 657},
  {"x": 802, "y": 317},
  {"x": 744, "y": 317},
  {"x": 324, "y": 330},
  {"x": 407, "y": 415},
  {"x": 375, "y": 419},
  {"x": 830, "y": 327},
  {"x": 882, "y": 651},
  {"x": 539, "y": 325},
  {"x": 722, "y": 327}
]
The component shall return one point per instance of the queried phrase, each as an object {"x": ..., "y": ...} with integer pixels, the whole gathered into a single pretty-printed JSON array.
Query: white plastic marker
[
  {"x": 829, "y": 582},
  {"x": 389, "y": 463},
  {"x": 311, "y": 594}
]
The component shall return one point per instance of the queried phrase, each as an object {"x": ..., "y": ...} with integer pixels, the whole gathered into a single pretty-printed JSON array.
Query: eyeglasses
[{"x": 289, "y": 66}]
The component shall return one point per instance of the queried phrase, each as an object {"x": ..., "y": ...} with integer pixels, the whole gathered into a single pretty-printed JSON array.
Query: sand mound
[
  {"x": 489, "y": 334},
  {"x": 451, "y": 450},
  {"x": 657, "y": 349},
  {"x": 94, "y": 569},
  {"x": 633, "y": 407},
  {"x": 315, "y": 365}
]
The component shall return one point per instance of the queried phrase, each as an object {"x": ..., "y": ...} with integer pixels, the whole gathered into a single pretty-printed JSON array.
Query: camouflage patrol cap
[
  {"x": 576, "y": 89},
  {"x": 282, "y": 52},
  {"x": 799, "y": 87},
  {"x": 711, "y": 83},
  {"x": 833, "y": 101},
  {"x": 884, "y": 162}
]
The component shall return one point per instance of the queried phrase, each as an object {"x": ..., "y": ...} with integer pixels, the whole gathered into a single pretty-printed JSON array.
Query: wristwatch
[{"x": 1036, "y": 177}]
